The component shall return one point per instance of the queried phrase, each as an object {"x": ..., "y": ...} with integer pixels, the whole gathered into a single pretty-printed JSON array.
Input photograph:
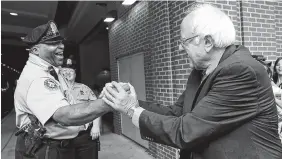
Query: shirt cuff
[{"x": 136, "y": 115}]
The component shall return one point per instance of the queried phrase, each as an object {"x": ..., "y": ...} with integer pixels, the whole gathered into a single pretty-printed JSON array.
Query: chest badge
[{"x": 50, "y": 84}]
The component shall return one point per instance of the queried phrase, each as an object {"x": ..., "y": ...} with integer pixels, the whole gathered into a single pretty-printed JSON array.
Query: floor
[{"x": 112, "y": 145}]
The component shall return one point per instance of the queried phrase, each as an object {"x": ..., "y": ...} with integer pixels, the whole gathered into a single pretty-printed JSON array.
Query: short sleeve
[
  {"x": 44, "y": 97},
  {"x": 91, "y": 95}
]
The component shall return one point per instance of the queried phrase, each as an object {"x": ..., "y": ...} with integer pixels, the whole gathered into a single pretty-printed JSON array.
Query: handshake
[{"x": 120, "y": 96}]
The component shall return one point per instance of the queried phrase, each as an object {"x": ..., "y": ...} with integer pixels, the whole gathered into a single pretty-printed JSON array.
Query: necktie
[{"x": 53, "y": 72}]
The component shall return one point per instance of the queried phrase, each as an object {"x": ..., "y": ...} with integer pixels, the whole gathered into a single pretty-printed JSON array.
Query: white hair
[{"x": 209, "y": 20}]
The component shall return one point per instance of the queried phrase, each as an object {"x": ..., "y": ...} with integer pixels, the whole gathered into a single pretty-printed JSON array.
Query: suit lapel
[
  {"x": 201, "y": 92},
  {"x": 193, "y": 83}
]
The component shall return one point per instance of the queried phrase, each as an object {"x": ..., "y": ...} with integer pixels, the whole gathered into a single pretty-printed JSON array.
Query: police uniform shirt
[
  {"x": 76, "y": 92},
  {"x": 82, "y": 93},
  {"x": 40, "y": 94}
]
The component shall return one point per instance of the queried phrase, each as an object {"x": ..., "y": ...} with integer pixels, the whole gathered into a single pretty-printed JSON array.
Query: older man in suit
[{"x": 227, "y": 110}]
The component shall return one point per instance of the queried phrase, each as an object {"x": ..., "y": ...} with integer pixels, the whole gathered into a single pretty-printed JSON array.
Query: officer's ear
[{"x": 34, "y": 50}]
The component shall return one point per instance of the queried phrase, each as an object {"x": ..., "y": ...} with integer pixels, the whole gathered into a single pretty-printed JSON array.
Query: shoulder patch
[{"x": 51, "y": 84}]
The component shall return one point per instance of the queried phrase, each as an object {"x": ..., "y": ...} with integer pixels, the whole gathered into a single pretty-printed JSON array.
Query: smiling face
[
  {"x": 278, "y": 67},
  {"x": 52, "y": 53}
]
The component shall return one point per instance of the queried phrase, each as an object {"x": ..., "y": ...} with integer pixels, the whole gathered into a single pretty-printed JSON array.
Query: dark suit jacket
[{"x": 230, "y": 115}]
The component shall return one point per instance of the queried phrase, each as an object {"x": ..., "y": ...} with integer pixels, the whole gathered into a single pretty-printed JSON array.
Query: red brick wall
[{"x": 153, "y": 28}]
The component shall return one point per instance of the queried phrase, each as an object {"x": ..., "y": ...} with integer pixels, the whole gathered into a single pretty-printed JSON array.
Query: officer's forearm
[{"x": 82, "y": 113}]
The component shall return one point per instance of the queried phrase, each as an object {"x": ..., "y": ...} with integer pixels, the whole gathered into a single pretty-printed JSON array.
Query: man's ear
[
  {"x": 209, "y": 43},
  {"x": 35, "y": 50}
]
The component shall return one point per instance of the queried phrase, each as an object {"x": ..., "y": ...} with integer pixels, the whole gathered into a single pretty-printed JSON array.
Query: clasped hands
[{"x": 119, "y": 96}]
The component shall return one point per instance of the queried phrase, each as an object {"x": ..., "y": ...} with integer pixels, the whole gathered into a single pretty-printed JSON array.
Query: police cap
[
  {"x": 47, "y": 33},
  {"x": 69, "y": 62}
]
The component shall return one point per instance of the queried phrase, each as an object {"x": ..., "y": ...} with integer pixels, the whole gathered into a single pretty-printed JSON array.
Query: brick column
[
  {"x": 128, "y": 35},
  {"x": 259, "y": 28},
  {"x": 278, "y": 28},
  {"x": 161, "y": 69}
]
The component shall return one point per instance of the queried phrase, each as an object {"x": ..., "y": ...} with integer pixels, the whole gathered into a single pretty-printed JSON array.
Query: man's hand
[
  {"x": 95, "y": 130},
  {"x": 125, "y": 86},
  {"x": 119, "y": 99}
]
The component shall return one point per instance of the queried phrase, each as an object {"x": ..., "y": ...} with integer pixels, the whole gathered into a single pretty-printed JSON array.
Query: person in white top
[
  {"x": 277, "y": 75},
  {"x": 80, "y": 93},
  {"x": 277, "y": 89}
]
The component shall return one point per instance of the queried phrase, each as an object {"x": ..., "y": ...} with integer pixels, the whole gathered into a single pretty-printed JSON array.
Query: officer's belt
[{"x": 63, "y": 142}]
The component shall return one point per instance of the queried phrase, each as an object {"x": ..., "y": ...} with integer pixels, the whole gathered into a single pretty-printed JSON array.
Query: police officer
[
  {"x": 39, "y": 94},
  {"x": 79, "y": 93}
]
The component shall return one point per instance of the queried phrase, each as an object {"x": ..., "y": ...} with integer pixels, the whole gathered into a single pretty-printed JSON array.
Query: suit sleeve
[
  {"x": 231, "y": 102},
  {"x": 174, "y": 110}
]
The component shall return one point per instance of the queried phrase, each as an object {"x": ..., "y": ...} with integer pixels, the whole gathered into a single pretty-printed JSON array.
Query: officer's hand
[
  {"x": 102, "y": 94},
  {"x": 119, "y": 99},
  {"x": 95, "y": 132}
]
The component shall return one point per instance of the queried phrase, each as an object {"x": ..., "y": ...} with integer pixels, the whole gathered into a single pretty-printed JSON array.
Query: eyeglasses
[{"x": 183, "y": 41}]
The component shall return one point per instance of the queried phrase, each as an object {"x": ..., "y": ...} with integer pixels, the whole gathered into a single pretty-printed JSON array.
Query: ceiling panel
[
  {"x": 30, "y": 15},
  {"x": 25, "y": 21},
  {"x": 39, "y": 7}
]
